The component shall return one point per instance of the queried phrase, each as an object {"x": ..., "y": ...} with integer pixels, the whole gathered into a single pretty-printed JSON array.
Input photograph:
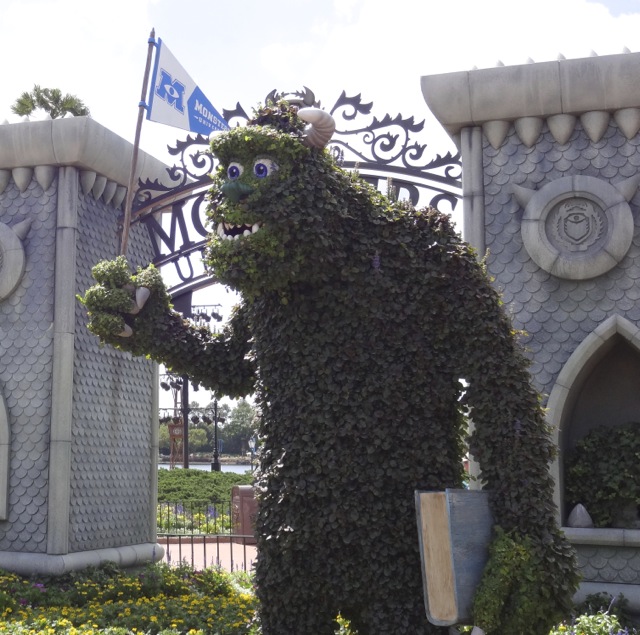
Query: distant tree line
[{"x": 236, "y": 425}]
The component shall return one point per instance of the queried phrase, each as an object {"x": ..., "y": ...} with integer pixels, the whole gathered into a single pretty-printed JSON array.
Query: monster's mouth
[{"x": 228, "y": 231}]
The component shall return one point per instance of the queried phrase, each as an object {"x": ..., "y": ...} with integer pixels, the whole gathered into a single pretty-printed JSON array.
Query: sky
[{"x": 240, "y": 51}]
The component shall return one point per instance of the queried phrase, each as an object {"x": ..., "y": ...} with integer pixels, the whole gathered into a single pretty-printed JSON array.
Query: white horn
[{"x": 318, "y": 134}]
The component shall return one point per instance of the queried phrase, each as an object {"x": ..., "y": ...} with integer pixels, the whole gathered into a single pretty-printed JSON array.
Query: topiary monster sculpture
[{"x": 360, "y": 320}]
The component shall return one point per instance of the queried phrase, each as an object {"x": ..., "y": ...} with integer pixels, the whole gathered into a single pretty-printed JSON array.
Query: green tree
[
  {"x": 239, "y": 427},
  {"x": 197, "y": 440},
  {"x": 163, "y": 439},
  {"x": 51, "y": 100}
]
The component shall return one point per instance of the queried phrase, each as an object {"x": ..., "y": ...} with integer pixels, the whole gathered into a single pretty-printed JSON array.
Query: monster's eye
[
  {"x": 264, "y": 167},
  {"x": 234, "y": 170}
]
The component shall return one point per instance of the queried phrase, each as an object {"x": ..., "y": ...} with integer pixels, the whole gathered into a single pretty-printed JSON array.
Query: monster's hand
[{"x": 122, "y": 306}]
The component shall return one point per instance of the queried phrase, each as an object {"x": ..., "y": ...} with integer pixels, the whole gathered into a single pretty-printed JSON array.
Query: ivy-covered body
[{"x": 360, "y": 320}]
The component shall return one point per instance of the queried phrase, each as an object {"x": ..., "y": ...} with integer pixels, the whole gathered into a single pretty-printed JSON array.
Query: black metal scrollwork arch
[{"x": 388, "y": 153}]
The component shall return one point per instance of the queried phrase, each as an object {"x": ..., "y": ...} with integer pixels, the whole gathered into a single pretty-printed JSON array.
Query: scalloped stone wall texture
[
  {"x": 112, "y": 462},
  {"x": 26, "y": 350},
  {"x": 617, "y": 565},
  {"x": 557, "y": 314}
]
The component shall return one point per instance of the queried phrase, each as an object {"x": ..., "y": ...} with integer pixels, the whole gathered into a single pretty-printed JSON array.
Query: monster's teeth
[
  {"x": 247, "y": 232},
  {"x": 220, "y": 230},
  {"x": 255, "y": 228}
]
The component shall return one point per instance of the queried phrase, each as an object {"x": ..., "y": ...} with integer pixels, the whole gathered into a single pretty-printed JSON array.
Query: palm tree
[{"x": 51, "y": 100}]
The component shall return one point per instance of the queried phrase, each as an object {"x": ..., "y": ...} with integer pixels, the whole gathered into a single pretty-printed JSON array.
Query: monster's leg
[
  {"x": 389, "y": 596},
  {"x": 294, "y": 595},
  {"x": 381, "y": 618}
]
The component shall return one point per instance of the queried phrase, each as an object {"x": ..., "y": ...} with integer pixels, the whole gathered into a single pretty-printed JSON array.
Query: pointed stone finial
[
  {"x": 628, "y": 187},
  {"x": 44, "y": 175},
  {"x": 628, "y": 120},
  {"x": 625, "y": 50},
  {"x": 22, "y": 228},
  {"x": 530, "y": 61},
  {"x": 561, "y": 127},
  {"x": 529, "y": 129},
  {"x": 22, "y": 177},
  {"x": 496, "y": 132},
  {"x": 561, "y": 57},
  {"x": 592, "y": 53},
  {"x": 499, "y": 63},
  {"x": 579, "y": 517},
  {"x": 595, "y": 123},
  {"x": 523, "y": 194},
  {"x": 87, "y": 180}
]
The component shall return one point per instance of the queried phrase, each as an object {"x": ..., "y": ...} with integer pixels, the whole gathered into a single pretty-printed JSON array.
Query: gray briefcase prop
[{"x": 454, "y": 527}]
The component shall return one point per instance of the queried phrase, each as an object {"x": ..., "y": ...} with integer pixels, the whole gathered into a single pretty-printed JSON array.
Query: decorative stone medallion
[
  {"x": 12, "y": 257},
  {"x": 577, "y": 227}
]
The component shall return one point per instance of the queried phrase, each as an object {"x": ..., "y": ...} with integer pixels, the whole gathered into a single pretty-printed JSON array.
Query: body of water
[{"x": 225, "y": 467}]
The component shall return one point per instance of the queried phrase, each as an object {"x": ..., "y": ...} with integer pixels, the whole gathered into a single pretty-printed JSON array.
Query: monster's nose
[{"x": 236, "y": 190}]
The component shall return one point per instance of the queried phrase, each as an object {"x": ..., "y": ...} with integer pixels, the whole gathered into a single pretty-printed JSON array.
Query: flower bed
[{"x": 107, "y": 601}]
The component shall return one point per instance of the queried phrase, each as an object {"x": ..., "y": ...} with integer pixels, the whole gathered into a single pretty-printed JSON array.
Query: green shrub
[
  {"x": 197, "y": 485},
  {"x": 598, "y": 624},
  {"x": 603, "y": 473}
]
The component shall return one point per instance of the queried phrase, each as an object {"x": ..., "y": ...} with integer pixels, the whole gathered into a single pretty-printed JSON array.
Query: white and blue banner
[{"x": 176, "y": 100}]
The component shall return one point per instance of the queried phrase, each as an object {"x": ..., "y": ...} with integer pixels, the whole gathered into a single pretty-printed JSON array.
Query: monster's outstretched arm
[
  {"x": 531, "y": 577},
  {"x": 133, "y": 313}
]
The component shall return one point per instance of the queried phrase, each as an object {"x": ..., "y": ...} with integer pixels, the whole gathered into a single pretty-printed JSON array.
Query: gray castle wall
[
  {"x": 112, "y": 495},
  {"x": 26, "y": 356},
  {"x": 81, "y": 420},
  {"x": 557, "y": 314},
  {"x": 536, "y": 141}
]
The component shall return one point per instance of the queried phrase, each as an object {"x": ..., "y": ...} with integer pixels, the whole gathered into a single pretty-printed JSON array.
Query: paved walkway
[{"x": 231, "y": 555}]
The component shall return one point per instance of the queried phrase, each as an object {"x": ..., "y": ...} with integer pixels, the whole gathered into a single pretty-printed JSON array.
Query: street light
[
  {"x": 215, "y": 464},
  {"x": 252, "y": 447}
]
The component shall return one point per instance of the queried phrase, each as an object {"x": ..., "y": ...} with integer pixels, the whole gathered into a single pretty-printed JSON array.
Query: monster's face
[{"x": 264, "y": 208}]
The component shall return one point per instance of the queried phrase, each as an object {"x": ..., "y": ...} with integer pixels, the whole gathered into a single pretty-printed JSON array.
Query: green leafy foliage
[
  {"x": 239, "y": 427},
  {"x": 507, "y": 561},
  {"x": 51, "y": 100},
  {"x": 177, "y": 486},
  {"x": 598, "y": 624},
  {"x": 603, "y": 473},
  {"x": 360, "y": 318}
]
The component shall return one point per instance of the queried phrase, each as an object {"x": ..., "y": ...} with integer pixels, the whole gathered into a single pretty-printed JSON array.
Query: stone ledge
[
  {"x": 77, "y": 141},
  {"x": 603, "y": 537},
  {"x": 507, "y": 93},
  {"x": 45, "y": 564}
]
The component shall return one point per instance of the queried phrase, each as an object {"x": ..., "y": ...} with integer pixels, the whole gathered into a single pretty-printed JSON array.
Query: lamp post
[
  {"x": 215, "y": 464},
  {"x": 252, "y": 448}
]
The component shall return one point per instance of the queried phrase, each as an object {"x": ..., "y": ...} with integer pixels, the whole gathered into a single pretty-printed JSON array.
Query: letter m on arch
[{"x": 158, "y": 235}]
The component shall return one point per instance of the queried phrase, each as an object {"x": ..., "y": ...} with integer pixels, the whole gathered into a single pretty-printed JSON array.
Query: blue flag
[{"x": 176, "y": 100}]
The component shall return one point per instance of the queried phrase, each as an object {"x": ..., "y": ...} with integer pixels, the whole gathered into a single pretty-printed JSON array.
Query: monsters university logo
[{"x": 171, "y": 90}]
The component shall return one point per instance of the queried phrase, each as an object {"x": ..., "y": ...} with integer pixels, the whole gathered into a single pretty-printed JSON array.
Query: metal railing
[{"x": 205, "y": 534}]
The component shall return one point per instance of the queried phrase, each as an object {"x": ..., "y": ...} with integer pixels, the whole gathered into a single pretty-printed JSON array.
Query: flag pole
[{"x": 126, "y": 223}]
